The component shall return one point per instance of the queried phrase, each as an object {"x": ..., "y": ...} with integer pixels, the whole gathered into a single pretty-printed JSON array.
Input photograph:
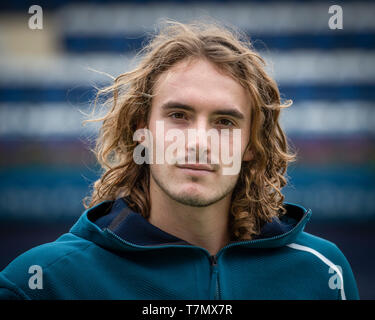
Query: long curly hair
[{"x": 257, "y": 196}]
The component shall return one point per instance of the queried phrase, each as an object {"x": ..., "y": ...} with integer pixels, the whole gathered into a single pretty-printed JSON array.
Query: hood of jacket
[{"x": 112, "y": 224}]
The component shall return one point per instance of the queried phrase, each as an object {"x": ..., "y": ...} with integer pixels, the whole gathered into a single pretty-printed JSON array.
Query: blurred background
[{"x": 47, "y": 84}]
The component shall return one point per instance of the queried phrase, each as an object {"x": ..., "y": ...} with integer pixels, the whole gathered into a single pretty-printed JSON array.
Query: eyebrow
[{"x": 233, "y": 112}]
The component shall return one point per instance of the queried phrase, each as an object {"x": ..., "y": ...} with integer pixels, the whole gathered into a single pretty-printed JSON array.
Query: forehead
[{"x": 200, "y": 84}]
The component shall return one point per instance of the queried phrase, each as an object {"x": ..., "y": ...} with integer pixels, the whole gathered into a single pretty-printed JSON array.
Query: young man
[{"x": 169, "y": 218}]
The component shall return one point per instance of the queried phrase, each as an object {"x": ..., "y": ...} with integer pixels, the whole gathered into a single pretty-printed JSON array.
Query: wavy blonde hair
[{"x": 257, "y": 196}]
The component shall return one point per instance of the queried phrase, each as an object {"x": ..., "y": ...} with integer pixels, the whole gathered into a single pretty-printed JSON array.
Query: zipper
[{"x": 214, "y": 288}]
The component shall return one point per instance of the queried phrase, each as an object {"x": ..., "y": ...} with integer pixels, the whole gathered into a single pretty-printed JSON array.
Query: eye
[
  {"x": 226, "y": 122},
  {"x": 177, "y": 115}
]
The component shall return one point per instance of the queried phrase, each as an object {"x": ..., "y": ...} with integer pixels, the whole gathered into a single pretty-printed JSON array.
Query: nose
[{"x": 197, "y": 145}]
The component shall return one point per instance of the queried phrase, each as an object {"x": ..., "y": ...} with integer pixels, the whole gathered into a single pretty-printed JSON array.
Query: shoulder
[
  {"x": 306, "y": 241},
  {"x": 14, "y": 278},
  {"x": 47, "y": 254},
  {"x": 318, "y": 250},
  {"x": 323, "y": 255}
]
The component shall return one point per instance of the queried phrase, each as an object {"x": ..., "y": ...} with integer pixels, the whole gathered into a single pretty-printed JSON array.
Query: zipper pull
[{"x": 213, "y": 260}]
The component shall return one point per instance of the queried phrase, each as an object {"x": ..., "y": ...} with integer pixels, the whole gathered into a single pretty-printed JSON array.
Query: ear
[
  {"x": 140, "y": 129},
  {"x": 141, "y": 124},
  {"x": 248, "y": 155}
]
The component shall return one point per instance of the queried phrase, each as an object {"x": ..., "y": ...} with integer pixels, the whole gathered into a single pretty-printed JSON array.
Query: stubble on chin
[{"x": 167, "y": 186}]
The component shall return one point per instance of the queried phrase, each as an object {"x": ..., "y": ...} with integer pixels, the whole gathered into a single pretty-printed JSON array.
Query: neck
[{"x": 206, "y": 227}]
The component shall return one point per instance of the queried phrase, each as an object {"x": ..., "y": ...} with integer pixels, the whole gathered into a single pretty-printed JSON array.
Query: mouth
[{"x": 196, "y": 169}]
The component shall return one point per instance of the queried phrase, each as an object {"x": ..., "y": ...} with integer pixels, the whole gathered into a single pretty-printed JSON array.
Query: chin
[
  {"x": 193, "y": 190},
  {"x": 193, "y": 200}
]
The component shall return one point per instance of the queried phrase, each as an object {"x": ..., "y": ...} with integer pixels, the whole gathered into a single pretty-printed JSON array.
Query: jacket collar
[
  {"x": 133, "y": 228},
  {"x": 117, "y": 218}
]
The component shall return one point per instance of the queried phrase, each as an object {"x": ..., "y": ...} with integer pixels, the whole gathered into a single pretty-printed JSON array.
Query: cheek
[
  {"x": 169, "y": 143},
  {"x": 242, "y": 140},
  {"x": 233, "y": 143}
]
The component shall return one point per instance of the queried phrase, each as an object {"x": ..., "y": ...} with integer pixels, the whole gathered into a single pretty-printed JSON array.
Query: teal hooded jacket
[{"x": 113, "y": 253}]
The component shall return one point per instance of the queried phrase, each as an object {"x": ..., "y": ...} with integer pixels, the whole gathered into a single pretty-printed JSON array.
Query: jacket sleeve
[
  {"x": 6, "y": 294},
  {"x": 9, "y": 291},
  {"x": 349, "y": 289},
  {"x": 339, "y": 273}
]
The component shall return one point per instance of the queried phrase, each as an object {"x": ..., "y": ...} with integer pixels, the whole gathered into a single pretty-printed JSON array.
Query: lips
[{"x": 200, "y": 167}]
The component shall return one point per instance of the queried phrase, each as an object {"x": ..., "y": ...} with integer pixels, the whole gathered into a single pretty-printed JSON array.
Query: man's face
[{"x": 198, "y": 96}]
